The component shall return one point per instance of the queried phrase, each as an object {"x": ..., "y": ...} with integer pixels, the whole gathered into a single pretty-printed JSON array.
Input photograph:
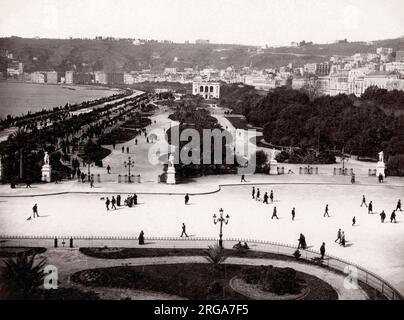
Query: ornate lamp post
[
  {"x": 221, "y": 220},
  {"x": 128, "y": 164}
]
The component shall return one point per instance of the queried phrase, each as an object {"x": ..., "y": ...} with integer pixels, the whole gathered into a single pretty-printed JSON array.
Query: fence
[{"x": 308, "y": 255}]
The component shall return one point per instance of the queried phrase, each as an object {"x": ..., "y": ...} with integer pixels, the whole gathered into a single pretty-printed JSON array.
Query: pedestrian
[
  {"x": 243, "y": 178},
  {"x": 141, "y": 237},
  {"x": 338, "y": 236},
  {"x": 113, "y": 202},
  {"x": 82, "y": 176},
  {"x": 398, "y": 205},
  {"x": 147, "y": 139},
  {"x": 370, "y": 207},
  {"x": 343, "y": 239},
  {"x": 186, "y": 198},
  {"x": 380, "y": 178},
  {"x": 302, "y": 242},
  {"x": 382, "y": 216},
  {"x": 257, "y": 198},
  {"x": 123, "y": 149},
  {"x": 266, "y": 197},
  {"x": 118, "y": 200},
  {"x": 135, "y": 198},
  {"x": 127, "y": 149},
  {"x": 28, "y": 182},
  {"x": 274, "y": 214},
  {"x": 113, "y": 145},
  {"x": 35, "y": 211},
  {"x": 183, "y": 230},
  {"x": 271, "y": 196},
  {"x": 91, "y": 182},
  {"x": 108, "y": 169},
  {"x": 393, "y": 217},
  {"x": 253, "y": 192},
  {"x": 326, "y": 211},
  {"x": 293, "y": 214},
  {"x": 363, "y": 201},
  {"x": 353, "y": 221},
  {"x": 107, "y": 202},
  {"x": 322, "y": 251},
  {"x": 353, "y": 178},
  {"x": 135, "y": 141}
]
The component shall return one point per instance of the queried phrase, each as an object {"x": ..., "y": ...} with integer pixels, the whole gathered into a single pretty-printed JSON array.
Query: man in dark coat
[
  {"x": 398, "y": 205},
  {"x": 293, "y": 214},
  {"x": 370, "y": 207},
  {"x": 266, "y": 197},
  {"x": 382, "y": 216},
  {"x": 393, "y": 217},
  {"x": 186, "y": 198},
  {"x": 107, "y": 202},
  {"x": 274, "y": 214},
  {"x": 322, "y": 250}
]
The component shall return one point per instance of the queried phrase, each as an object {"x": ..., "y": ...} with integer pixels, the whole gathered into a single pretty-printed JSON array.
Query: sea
[{"x": 17, "y": 98}]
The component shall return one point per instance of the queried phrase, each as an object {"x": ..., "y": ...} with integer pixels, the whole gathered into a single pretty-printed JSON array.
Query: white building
[
  {"x": 100, "y": 77},
  {"x": 208, "y": 90},
  {"x": 69, "y": 77}
]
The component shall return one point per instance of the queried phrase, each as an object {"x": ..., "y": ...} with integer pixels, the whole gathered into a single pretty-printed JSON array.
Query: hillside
[{"x": 89, "y": 55}]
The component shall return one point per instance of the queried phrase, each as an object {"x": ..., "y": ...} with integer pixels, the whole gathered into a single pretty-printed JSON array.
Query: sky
[{"x": 250, "y": 22}]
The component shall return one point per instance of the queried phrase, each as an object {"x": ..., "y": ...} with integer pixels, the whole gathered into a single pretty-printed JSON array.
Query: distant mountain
[{"x": 122, "y": 55}]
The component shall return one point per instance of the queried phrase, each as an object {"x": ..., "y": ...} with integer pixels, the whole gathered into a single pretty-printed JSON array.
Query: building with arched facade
[{"x": 208, "y": 90}]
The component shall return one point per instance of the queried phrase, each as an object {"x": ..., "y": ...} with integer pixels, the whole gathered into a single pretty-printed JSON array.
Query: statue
[
  {"x": 170, "y": 161},
  {"x": 46, "y": 158},
  {"x": 381, "y": 166}
]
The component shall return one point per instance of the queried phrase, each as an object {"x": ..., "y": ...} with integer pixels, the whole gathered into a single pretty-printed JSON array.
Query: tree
[{"x": 21, "y": 277}]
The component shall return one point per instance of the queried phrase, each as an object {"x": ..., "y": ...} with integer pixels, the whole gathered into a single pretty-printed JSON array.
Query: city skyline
[{"x": 233, "y": 22}]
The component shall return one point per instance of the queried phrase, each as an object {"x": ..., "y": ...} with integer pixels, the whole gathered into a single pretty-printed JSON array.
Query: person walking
[
  {"x": 382, "y": 216},
  {"x": 91, "y": 182},
  {"x": 127, "y": 149},
  {"x": 393, "y": 217},
  {"x": 35, "y": 211},
  {"x": 108, "y": 169},
  {"x": 141, "y": 238},
  {"x": 326, "y": 211},
  {"x": 338, "y": 236},
  {"x": 118, "y": 200},
  {"x": 398, "y": 207},
  {"x": 363, "y": 201},
  {"x": 243, "y": 178},
  {"x": 343, "y": 239},
  {"x": 113, "y": 145},
  {"x": 271, "y": 196},
  {"x": 123, "y": 149},
  {"x": 322, "y": 251},
  {"x": 183, "y": 230},
  {"x": 370, "y": 208},
  {"x": 274, "y": 214},
  {"x": 186, "y": 198},
  {"x": 113, "y": 202},
  {"x": 266, "y": 197},
  {"x": 28, "y": 183},
  {"x": 257, "y": 198},
  {"x": 353, "y": 221},
  {"x": 253, "y": 192},
  {"x": 107, "y": 202},
  {"x": 293, "y": 214},
  {"x": 302, "y": 242},
  {"x": 135, "y": 141},
  {"x": 135, "y": 198}
]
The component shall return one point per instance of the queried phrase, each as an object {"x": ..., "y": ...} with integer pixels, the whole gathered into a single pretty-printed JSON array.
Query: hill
[{"x": 122, "y": 55}]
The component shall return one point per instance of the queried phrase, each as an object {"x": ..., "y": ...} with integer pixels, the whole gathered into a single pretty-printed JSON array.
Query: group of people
[
  {"x": 393, "y": 215},
  {"x": 341, "y": 237},
  {"x": 130, "y": 201},
  {"x": 257, "y": 195}
]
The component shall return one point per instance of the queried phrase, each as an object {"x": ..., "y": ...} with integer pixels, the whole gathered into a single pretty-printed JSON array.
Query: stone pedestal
[
  {"x": 380, "y": 169},
  {"x": 46, "y": 173},
  {"x": 273, "y": 167},
  {"x": 171, "y": 176}
]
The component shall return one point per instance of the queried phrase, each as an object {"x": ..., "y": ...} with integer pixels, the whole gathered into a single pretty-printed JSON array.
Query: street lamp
[
  {"x": 221, "y": 220},
  {"x": 128, "y": 164}
]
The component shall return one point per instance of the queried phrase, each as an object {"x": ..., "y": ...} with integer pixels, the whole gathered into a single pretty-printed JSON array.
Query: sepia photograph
[{"x": 191, "y": 153}]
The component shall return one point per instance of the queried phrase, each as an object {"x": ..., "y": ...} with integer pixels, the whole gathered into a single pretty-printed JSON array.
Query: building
[
  {"x": 100, "y": 77},
  {"x": 385, "y": 51},
  {"x": 338, "y": 83},
  {"x": 202, "y": 41},
  {"x": 38, "y": 77},
  {"x": 208, "y": 90},
  {"x": 51, "y": 77},
  {"x": 310, "y": 68},
  {"x": 170, "y": 70},
  {"x": 322, "y": 69},
  {"x": 394, "y": 66},
  {"x": 115, "y": 78},
  {"x": 69, "y": 77},
  {"x": 400, "y": 56}
]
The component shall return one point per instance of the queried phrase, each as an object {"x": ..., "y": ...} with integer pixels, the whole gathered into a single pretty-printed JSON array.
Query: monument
[
  {"x": 381, "y": 166},
  {"x": 170, "y": 170},
  {"x": 273, "y": 164},
  {"x": 46, "y": 169}
]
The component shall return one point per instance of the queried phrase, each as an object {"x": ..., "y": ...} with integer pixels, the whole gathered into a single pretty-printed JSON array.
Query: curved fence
[{"x": 309, "y": 255}]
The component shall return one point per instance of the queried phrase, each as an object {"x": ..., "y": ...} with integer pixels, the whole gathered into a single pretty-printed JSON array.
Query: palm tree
[
  {"x": 21, "y": 278},
  {"x": 215, "y": 255}
]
